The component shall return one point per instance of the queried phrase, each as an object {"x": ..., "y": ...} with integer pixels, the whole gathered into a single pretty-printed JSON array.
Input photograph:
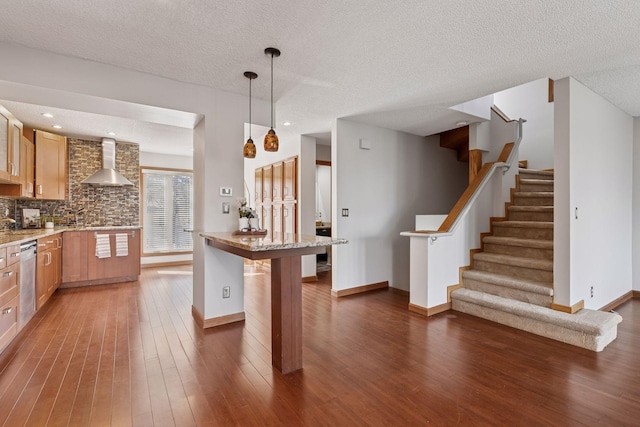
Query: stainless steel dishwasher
[{"x": 27, "y": 282}]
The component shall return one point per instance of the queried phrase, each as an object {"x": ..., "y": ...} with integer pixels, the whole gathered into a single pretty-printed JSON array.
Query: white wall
[
  {"x": 530, "y": 101},
  {"x": 636, "y": 204},
  {"x": 323, "y": 192},
  {"x": 323, "y": 152},
  {"x": 157, "y": 160},
  {"x": 599, "y": 138},
  {"x": 217, "y": 162},
  {"x": 384, "y": 188}
]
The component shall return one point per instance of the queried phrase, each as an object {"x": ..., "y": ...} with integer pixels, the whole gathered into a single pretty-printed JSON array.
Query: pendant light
[
  {"x": 249, "y": 147},
  {"x": 271, "y": 139}
]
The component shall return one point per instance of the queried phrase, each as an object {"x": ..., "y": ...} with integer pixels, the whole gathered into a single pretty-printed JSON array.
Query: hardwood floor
[{"x": 131, "y": 354}]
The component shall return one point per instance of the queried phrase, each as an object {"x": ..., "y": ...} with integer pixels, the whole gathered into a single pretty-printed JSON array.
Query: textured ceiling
[{"x": 396, "y": 64}]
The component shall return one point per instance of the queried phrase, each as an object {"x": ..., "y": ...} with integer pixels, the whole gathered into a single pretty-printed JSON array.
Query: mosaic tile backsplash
[{"x": 97, "y": 206}]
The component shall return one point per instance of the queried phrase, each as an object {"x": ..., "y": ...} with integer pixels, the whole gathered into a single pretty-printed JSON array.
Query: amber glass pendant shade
[
  {"x": 271, "y": 141},
  {"x": 249, "y": 150}
]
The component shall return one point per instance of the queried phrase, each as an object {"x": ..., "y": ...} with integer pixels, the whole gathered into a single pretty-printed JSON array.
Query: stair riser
[
  {"x": 532, "y": 201},
  {"x": 579, "y": 339},
  {"x": 536, "y": 187},
  {"x": 514, "y": 271},
  {"x": 530, "y": 216},
  {"x": 523, "y": 233},
  {"x": 528, "y": 175},
  {"x": 505, "y": 292},
  {"x": 519, "y": 251}
]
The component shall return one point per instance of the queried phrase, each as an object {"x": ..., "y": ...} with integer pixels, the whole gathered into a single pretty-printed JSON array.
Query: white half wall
[
  {"x": 530, "y": 101},
  {"x": 636, "y": 204},
  {"x": 599, "y": 137},
  {"x": 384, "y": 188}
]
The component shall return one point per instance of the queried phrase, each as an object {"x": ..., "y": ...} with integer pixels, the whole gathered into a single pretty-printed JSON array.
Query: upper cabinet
[
  {"x": 10, "y": 133},
  {"x": 51, "y": 166}
]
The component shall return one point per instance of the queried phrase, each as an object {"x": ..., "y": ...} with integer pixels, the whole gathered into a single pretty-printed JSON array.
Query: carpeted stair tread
[
  {"x": 531, "y": 208},
  {"x": 585, "y": 321},
  {"x": 536, "y": 181},
  {"x": 532, "y": 263},
  {"x": 524, "y": 224},
  {"x": 515, "y": 241},
  {"x": 542, "y": 288},
  {"x": 537, "y": 173},
  {"x": 533, "y": 194}
]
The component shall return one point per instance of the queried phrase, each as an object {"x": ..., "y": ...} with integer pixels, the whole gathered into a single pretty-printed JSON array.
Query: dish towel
[
  {"x": 122, "y": 244},
  {"x": 103, "y": 247}
]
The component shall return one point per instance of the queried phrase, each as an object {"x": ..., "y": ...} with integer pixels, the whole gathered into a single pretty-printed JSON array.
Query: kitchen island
[{"x": 285, "y": 251}]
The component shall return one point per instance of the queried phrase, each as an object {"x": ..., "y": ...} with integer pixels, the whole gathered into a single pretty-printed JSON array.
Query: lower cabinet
[
  {"x": 9, "y": 294},
  {"x": 80, "y": 263},
  {"x": 48, "y": 268}
]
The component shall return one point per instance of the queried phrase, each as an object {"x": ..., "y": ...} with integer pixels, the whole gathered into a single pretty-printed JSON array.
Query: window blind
[{"x": 167, "y": 211}]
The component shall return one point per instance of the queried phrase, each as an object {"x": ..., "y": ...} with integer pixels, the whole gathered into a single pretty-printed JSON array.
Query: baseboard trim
[
  {"x": 399, "y": 291},
  {"x": 309, "y": 279},
  {"x": 566, "y": 309},
  {"x": 454, "y": 287},
  {"x": 636, "y": 294},
  {"x": 126, "y": 279},
  {"x": 428, "y": 312},
  {"x": 166, "y": 264},
  {"x": 215, "y": 321},
  {"x": 619, "y": 301},
  {"x": 359, "y": 289}
]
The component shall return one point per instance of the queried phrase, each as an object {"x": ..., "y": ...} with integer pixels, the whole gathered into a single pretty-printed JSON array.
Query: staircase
[{"x": 511, "y": 280}]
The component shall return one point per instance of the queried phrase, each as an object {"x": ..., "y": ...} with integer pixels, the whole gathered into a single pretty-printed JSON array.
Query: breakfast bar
[{"x": 285, "y": 251}]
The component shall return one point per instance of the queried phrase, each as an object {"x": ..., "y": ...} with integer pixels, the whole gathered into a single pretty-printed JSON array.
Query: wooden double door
[{"x": 276, "y": 196}]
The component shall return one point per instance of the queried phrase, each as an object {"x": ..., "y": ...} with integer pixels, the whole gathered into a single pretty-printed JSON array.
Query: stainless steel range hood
[{"x": 108, "y": 176}]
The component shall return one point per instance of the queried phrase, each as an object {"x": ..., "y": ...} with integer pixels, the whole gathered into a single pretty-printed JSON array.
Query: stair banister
[{"x": 448, "y": 227}]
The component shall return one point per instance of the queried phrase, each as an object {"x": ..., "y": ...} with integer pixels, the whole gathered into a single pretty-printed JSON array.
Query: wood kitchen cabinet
[
  {"x": 10, "y": 132},
  {"x": 51, "y": 166},
  {"x": 9, "y": 294},
  {"x": 27, "y": 167},
  {"x": 74, "y": 256},
  {"x": 48, "y": 268},
  {"x": 114, "y": 266}
]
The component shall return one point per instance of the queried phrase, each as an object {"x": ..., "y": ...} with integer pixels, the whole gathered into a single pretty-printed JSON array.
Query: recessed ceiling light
[
  {"x": 57, "y": 127},
  {"x": 47, "y": 115},
  {"x": 461, "y": 123},
  {"x": 286, "y": 123},
  {"x": 111, "y": 133}
]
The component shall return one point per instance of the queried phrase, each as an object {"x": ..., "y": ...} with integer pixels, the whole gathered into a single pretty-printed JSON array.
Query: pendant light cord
[
  {"x": 272, "y": 90},
  {"x": 250, "y": 108}
]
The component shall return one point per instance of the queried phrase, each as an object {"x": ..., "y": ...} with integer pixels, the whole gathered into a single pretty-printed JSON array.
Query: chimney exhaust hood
[{"x": 108, "y": 176}]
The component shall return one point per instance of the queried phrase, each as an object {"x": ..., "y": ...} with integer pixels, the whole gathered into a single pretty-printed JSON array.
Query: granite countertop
[
  {"x": 12, "y": 237},
  {"x": 278, "y": 242}
]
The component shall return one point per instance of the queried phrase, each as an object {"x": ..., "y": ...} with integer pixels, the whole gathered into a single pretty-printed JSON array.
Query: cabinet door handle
[
  {"x": 49, "y": 258},
  {"x": 7, "y": 311},
  {"x": 41, "y": 244},
  {"x": 29, "y": 187},
  {"x": 40, "y": 189},
  {"x": 1, "y": 259},
  {"x": 7, "y": 274},
  {"x": 49, "y": 241},
  {"x": 15, "y": 254}
]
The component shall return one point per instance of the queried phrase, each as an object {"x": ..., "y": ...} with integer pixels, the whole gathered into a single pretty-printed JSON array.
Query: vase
[
  {"x": 243, "y": 224},
  {"x": 254, "y": 223}
]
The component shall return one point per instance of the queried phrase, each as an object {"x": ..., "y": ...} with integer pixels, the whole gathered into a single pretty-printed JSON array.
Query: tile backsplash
[{"x": 98, "y": 205}]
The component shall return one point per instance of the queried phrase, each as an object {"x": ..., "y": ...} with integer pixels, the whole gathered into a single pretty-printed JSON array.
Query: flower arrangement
[{"x": 245, "y": 211}]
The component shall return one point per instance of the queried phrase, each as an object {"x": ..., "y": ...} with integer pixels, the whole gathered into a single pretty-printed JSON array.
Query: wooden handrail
[
  {"x": 505, "y": 161},
  {"x": 502, "y": 115}
]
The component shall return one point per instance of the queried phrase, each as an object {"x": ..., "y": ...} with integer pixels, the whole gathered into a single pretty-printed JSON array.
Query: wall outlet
[
  {"x": 226, "y": 207},
  {"x": 592, "y": 292},
  {"x": 226, "y": 292},
  {"x": 345, "y": 212}
]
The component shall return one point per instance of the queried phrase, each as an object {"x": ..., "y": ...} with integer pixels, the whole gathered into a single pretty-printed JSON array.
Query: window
[{"x": 167, "y": 211}]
